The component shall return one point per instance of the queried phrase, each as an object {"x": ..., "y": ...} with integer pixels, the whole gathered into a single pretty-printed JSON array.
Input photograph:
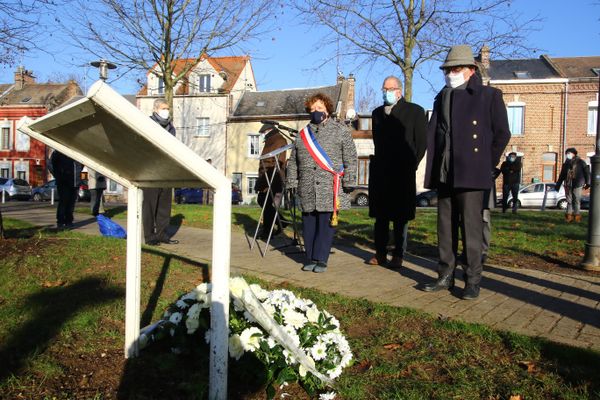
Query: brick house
[
  {"x": 20, "y": 156},
  {"x": 551, "y": 103}
]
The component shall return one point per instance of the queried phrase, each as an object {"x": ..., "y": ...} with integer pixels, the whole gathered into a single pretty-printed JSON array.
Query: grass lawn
[
  {"x": 62, "y": 305},
  {"x": 529, "y": 239}
]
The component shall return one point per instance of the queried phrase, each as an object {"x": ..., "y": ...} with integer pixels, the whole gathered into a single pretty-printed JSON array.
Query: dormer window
[
  {"x": 204, "y": 83},
  {"x": 260, "y": 104},
  {"x": 522, "y": 74}
]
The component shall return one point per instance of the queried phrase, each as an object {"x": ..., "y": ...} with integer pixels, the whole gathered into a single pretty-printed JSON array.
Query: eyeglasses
[{"x": 389, "y": 89}]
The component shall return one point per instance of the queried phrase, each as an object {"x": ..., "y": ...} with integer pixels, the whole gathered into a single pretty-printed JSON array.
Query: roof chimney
[
  {"x": 351, "y": 91},
  {"x": 23, "y": 77},
  {"x": 484, "y": 56}
]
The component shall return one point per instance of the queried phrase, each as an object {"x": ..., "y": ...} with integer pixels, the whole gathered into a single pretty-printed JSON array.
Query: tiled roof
[
  {"x": 47, "y": 94},
  {"x": 232, "y": 66},
  {"x": 577, "y": 67},
  {"x": 282, "y": 102},
  {"x": 535, "y": 68}
]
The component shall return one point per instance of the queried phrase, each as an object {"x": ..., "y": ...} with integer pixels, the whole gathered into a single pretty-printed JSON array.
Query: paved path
[{"x": 559, "y": 306}]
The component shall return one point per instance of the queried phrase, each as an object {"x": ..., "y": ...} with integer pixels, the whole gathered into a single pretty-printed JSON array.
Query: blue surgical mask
[
  {"x": 316, "y": 117},
  {"x": 389, "y": 97},
  {"x": 569, "y": 156},
  {"x": 511, "y": 159}
]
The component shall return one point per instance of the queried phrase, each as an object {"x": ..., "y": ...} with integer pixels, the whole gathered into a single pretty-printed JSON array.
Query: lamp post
[
  {"x": 104, "y": 66},
  {"x": 591, "y": 260}
]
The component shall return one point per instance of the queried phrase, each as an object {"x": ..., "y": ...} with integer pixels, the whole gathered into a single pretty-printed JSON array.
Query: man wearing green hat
[{"x": 466, "y": 136}]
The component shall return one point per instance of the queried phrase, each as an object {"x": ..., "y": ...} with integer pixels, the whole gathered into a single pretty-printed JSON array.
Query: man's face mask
[
  {"x": 389, "y": 97},
  {"x": 455, "y": 79},
  {"x": 164, "y": 114},
  {"x": 512, "y": 159},
  {"x": 570, "y": 156}
]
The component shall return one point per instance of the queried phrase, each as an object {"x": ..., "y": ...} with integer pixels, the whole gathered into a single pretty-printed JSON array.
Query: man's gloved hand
[{"x": 348, "y": 190}]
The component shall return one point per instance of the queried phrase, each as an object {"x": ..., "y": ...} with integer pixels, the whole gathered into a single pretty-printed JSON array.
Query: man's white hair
[
  {"x": 158, "y": 103},
  {"x": 395, "y": 78}
]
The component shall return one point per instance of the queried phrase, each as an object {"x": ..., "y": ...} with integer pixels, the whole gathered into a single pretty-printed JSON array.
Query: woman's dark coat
[
  {"x": 480, "y": 132},
  {"x": 400, "y": 142}
]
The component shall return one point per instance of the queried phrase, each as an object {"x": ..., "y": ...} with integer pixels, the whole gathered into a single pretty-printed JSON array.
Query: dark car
[
  {"x": 188, "y": 195},
  {"x": 360, "y": 195},
  {"x": 44, "y": 192},
  {"x": 427, "y": 199},
  {"x": 14, "y": 188}
]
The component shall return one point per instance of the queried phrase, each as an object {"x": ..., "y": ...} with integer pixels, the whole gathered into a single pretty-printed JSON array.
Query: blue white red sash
[{"x": 323, "y": 161}]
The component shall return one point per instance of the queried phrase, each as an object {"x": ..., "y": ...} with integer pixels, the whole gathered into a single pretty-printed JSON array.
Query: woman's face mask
[{"x": 318, "y": 112}]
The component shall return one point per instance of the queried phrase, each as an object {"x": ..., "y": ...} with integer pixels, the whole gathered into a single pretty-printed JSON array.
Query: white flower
[
  {"x": 251, "y": 338},
  {"x": 259, "y": 292},
  {"x": 194, "y": 311},
  {"x": 203, "y": 288},
  {"x": 269, "y": 309},
  {"x": 236, "y": 350},
  {"x": 327, "y": 396},
  {"x": 182, "y": 304},
  {"x": 203, "y": 299},
  {"x": 312, "y": 314},
  {"x": 293, "y": 335},
  {"x": 175, "y": 318},
  {"x": 237, "y": 286},
  {"x": 189, "y": 296},
  {"x": 192, "y": 324},
  {"x": 334, "y": 373},
  {"x": 271, "y": 342},
  {"x": 319, "y": 351},
  {"x": 294, "y": 318},
  {"x": 289, "y": 358},
  {"x": 303, "y": 370}
]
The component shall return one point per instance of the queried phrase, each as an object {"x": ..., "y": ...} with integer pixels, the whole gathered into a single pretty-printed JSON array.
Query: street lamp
[
  {"x": 104, "y": 66},
  {"x": 591, "y": 260}
]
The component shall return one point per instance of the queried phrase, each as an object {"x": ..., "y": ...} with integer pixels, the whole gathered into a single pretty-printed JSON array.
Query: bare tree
[
  {"x": 20, "y": 27},
  {"x": 367, "y": 100},
  {"x": 153, "y": 34},
  {"x": 408, "y": 33}
]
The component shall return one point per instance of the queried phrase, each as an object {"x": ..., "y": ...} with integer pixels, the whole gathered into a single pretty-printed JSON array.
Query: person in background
[
  {"x": 97, "y": 185},
  {"x": 400, "y": 142},
  {"x": 467, "y": 134},
  {"x": 156, "y": 207},
  {"x": 67, "y": 173},
  {"x": 511, "y": 180},
  {"x": 322, "y": 167},
  {"x": 273, "y": 140},
  {"x": 575, "y": 175}
]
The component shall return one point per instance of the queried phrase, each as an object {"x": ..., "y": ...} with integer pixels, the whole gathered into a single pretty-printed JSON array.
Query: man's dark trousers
[
  {"x": 382, "y": 236},
  {"x": 156, "y": 213},
  {"x": 67, "y": 195},
  {"x": 460, "y": 206},
  {"x": 514, "y": 190}
]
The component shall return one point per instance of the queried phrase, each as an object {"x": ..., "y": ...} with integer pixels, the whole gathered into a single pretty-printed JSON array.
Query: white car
[{"x": 533, "y": 196}]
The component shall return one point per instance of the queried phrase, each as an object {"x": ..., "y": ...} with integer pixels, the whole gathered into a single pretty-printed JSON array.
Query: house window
[
  {"x": 363, "y": 124},
  {"x": 204, "y": 83},
  {"x": 592, "y": 117},
  {"x": 251, "y": 181},
  {"x": 161, "y": 86},
  {"x": 202, "y": 126},
  {"x": 362, "y": 177},
  {"x": 22, "y": 175},
  {"x": 236, "y": 179},
  {"x": 549, "y": 167},
  {"x": 5, "y": 139},
  {"x": 253, "y": 145},
  {"x": 516, "y": 113},
  {"x": 4, "y": 172},
  {"x": 112, "y": 186},
  {"x": 22, "y": 142}
]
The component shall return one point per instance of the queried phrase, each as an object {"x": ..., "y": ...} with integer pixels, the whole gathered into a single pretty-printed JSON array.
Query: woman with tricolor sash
[{"x": 322, "y": 168}]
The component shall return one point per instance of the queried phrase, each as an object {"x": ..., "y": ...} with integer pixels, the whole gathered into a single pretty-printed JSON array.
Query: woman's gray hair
[{"x": 159, "y": 102}]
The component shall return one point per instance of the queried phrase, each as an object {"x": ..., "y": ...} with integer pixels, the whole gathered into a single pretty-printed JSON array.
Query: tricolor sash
[{"x": 323, "y": 161}]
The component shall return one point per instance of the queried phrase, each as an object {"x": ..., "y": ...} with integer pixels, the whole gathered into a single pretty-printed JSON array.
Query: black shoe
[
  {"x": 443, "y": 283},
  {"x": 471, "y": 292},
  {"x": 153, "y": 242}
]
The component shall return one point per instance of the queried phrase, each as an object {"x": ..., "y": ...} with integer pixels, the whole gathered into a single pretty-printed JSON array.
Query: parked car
[
  {"x": 533, "y": 196},
  {"x": 188, "y": 195},
  {"x": 44, "y": 192},
  {"x": 195, "y": 195},
  {"x": 14, "y": 188},
  {"x": 427, "y": 199},
  {"x": 236, "y": 194},
  {"x": 360, "y": 195}
]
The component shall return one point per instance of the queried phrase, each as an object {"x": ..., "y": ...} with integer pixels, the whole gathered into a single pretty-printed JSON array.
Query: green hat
[{"x": 459, "y": 55}]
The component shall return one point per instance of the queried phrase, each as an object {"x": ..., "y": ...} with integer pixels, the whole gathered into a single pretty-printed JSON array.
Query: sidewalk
[{"x": 561, "y": 307}]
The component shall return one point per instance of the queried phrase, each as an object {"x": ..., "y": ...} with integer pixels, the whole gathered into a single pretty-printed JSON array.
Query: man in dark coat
[
  {"x": 511, "y": 180},
  {"x": 156, "y": 207},
  {"x": 400, "y": 141},
  {"x": 67, "y": 173},
  {"x": 576, "y": 177},
  {"x": 466, "y": 135},
  {"x": 273, "y": 141}
]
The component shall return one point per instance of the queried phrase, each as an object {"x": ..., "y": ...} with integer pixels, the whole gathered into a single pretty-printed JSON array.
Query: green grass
[{"x": 62, "y": 307}]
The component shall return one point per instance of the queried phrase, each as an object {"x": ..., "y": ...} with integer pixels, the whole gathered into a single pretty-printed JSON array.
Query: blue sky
[{"x": 285, "y": 59}]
